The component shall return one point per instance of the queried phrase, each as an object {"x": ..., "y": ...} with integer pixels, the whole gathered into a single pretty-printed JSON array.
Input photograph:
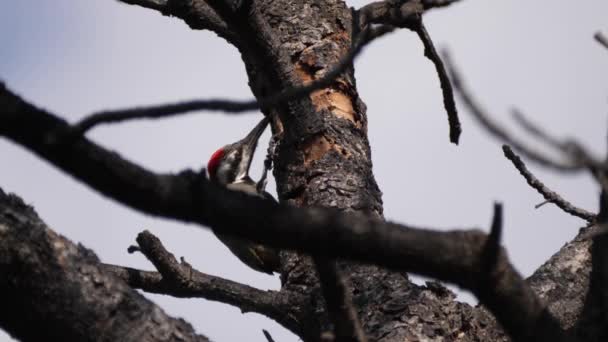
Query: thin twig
[
  {"x": 601, "y": 38},
  {"x": 547, "y": 193},
  {"x": 541, "y": 204},
  {"x": 499, "y": 132},
  {"x": 574, "y": 150},
  {"x": 267, "y": 335},
  {"x": 233, "y": 106},
  {"x": 347, "y": 327},
  {"x": 446, "y": 86}
]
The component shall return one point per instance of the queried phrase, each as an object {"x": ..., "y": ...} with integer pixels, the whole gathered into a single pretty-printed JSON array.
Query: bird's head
[{"x": 231, "y": 163}]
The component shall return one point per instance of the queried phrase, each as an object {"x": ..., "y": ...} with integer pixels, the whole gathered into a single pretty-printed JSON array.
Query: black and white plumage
[{"x": 229, "y": 166}]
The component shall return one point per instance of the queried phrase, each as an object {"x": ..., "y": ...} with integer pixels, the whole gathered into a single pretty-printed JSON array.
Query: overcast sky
[{"x": 75, "y": 57}]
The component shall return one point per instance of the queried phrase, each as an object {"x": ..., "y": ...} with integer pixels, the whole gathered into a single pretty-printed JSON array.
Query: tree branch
[
  {"x": 52, "y": 289},
  {"x": 428, "y": 4},
  {"x": 601, "y": 38},
  {"x": 548, "y": 194},
  {"x": 446, "y": 86},
  {"x": 499, "y": 132},
  {"x": 233, "y": 106},
  {"x": 449, "y": 256},
  {"x": 180, "y": 280},
  {"x": 197, "y": 14},
  {"x": 408, "y": 14}
]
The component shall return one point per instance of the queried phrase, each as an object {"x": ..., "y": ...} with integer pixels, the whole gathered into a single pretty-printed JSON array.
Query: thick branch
[
  {"x": 53, "y": 290},
  {"x": 197, "y": 14},
  {"x": 548, "y": 194},
  {"x": 450, "y": 256}
]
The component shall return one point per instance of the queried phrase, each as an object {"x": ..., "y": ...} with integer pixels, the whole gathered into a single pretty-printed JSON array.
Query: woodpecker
[{"x": 229, "y": 166}]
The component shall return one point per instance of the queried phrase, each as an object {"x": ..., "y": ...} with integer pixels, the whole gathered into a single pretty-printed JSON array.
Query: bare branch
[
  {"x": 535, "y": 131},
  {"x": 181, "y": 280},
  {"x": 408, "y": 14},
  {"x": 499, "y": 132},
  {"x": 267, "y": 335},
  {"x": 570, "y": 148},
  {"x": 159, "y": 5},
  {"x": 347, "y": 327},
  {"x": 197, "y": 14},
  {"x": 428, "y": 4},
  {"x": 233, "y": 106},
  {"x": 451, "y": 256},
  {"x": 53, "y": 289},
  {"x": 446, "y": 86},
  {"x": 601, "y": 38},
  {"x": 547, "y": 193}
]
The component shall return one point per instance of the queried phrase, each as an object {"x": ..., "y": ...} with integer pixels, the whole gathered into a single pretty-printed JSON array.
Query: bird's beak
[{"x": 249, "y": 144}]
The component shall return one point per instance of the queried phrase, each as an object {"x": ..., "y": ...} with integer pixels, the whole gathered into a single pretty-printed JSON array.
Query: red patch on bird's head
[{"x": 214, "y": 161}]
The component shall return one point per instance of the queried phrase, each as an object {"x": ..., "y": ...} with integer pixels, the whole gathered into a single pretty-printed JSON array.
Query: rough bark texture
[
  {"x": 53, "y": 290},
  {"x": 322, "y": 159}
]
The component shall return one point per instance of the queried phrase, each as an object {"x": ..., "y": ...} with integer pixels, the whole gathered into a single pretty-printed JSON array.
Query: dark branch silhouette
[
  {"x": 446, "y": 86},
  {"x": 233, "y": 106},
  {"x": 428, "y": 4},
  {"x": 601, "y": 38},
  {"x": 452, "y": 256},
  {"x": 408, "y": 14},
  {"x": 180, "y": 280},
  {"x": 197, "y": 14},
  {"x": 53, "y": 289},
  {"x": 500, "y": 132},
  {"x": 548, "y": 194}
]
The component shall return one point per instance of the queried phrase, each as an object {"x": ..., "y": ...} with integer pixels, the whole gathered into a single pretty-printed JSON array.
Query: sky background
[{"x": 74, "y": 57}]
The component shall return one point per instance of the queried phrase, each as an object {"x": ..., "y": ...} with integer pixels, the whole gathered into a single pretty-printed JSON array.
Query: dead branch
[
  {"x": 408, "y": 14},
  {"x": 601, "y": 38},
  {"x": 446, "y": 86},
  {"x": 500, "y": 132},
  {"x": 52, "y": 289},
  {"x": 428, "y": 4},
  {"x": 548, "y": 194},
  {"x": 232, "y": 106},
  {"x": 452, "y": 256},
  {"x": 181, "y": 280},
  {"x": 197, "y": 14}
]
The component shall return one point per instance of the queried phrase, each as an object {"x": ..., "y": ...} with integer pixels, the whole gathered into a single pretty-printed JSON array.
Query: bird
[{"x": 229, "y": 166}]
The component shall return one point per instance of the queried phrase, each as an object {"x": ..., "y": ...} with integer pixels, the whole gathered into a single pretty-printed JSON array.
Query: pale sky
[{"x": 75, "y": 57}]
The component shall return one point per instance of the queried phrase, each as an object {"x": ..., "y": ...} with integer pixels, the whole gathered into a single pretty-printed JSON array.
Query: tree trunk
[{"x": 322, "y": 159}]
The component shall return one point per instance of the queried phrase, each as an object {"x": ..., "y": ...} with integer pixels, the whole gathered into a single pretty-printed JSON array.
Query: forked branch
[{"x": 181, "y": 280}]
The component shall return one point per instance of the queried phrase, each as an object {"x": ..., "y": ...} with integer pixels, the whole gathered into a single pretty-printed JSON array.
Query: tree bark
[
  {"x": 322, "y": 159},
  {"x": 54, "y": 290}
]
